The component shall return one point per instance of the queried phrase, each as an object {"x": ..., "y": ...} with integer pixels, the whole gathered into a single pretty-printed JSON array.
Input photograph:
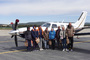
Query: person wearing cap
[
  {"x": 28, "y": 37},
  {"x": 40, "y": 34},
  {"x": 34, "y": 32},
  {"x": 52, "y": 34}
]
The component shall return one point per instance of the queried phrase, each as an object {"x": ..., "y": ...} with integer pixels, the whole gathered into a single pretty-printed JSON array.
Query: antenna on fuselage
[{"x": 62, "y": 20}]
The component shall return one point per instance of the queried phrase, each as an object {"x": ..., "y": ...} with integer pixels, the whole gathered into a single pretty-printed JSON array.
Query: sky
[{"x": 42, "y": 10}]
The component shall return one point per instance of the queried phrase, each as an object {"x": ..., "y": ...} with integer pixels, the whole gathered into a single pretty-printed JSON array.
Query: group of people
[{"x": 61, "y": 38}]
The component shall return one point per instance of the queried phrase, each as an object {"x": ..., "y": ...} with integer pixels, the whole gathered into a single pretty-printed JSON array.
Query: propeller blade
[
  {"x": 14, "y": 28},
  {"x": 12, "y": 36},
  {"x": 16, "y": 23},
  {"x": 16, "y": 43}
]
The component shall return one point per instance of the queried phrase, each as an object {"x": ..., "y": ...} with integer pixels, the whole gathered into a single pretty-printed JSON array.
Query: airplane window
[
  {"x": 54, "y": 26},
  {"x": 46, "y": 25},
  {"x": 62, "y": 26}
]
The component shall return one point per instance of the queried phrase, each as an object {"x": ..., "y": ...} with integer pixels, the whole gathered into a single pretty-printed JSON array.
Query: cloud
[{"x": 42, "y": 7}]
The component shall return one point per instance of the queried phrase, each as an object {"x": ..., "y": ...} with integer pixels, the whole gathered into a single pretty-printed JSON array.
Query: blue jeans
[
  {"x": 40, "y": 43},
  {"x": 29, "y": 45},
  {"x": 64, "y": 43},
  {"x": 46, "y": 44},
  {"x": 35, "y": 45}
]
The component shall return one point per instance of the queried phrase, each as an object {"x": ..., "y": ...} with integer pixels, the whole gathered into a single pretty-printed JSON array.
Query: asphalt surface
[{"x": 8, "y": 51}]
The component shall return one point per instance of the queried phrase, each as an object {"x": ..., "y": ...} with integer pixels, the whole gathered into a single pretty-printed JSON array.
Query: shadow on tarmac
[{"x": 79, "y": 50}]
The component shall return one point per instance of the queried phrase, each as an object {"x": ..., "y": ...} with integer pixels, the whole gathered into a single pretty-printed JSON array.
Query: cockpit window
[
  {"x": 54, "y": 26},
  {"x": 46, "y": 25}
]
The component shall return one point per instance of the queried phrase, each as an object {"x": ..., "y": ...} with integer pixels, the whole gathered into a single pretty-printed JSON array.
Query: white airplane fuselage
[{"x": 77, "y": 25}]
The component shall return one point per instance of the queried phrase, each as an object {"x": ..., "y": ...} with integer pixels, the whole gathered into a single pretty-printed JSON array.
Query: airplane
[{"x": 78, "y": 26}]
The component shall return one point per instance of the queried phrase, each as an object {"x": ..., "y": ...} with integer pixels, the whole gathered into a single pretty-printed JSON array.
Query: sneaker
[
  {"x": 71, "y": 50},
  {"x": 41, "y": 49},
  {"x": 67, "y": 50},
  {"x": 63, "y": 50}
]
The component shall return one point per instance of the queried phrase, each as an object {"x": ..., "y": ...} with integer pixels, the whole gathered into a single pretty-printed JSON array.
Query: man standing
[
  {"x": 70, "y": 33},
  {"x": 52, "y": 34},
  {"x": 34, "y": 37},
  {"x": 40, "y": 33},
  {"x": 28, "y": 37},
  {"x": 58, "y": 37}
]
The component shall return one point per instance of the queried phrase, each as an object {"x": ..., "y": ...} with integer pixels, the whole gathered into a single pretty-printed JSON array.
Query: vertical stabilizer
[{"x": 81, "y": 21}]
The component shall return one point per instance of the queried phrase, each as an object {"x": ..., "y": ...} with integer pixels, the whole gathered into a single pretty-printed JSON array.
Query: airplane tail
[{"x": 81, "y": 21}]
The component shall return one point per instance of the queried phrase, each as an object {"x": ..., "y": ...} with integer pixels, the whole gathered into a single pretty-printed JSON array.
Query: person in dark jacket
[
  {"x": 28, "y": 37},
  {"x": 52, "y": 34},
  {"x": 58, "y": 37},
  {"x": 34, "y": 37}
]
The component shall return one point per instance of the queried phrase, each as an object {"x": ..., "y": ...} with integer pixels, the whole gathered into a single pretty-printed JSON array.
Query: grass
[{"x": 5, "y": 28}]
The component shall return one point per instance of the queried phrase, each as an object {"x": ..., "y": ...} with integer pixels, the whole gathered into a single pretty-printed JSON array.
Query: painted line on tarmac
[
  {"x": 6, "y": 41},
  {"x": 9, "y": 41},
  {"x": 12, "y": 51},
  {"x": 82, "y": 42},
  {"x": 24, "y": 40}
]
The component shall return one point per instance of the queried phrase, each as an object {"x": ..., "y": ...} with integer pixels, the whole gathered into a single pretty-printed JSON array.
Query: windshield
[{"x": 46, "y": 25}]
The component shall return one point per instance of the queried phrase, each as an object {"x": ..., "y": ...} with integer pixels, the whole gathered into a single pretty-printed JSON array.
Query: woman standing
[
  {"x": 46, "y": 38},
  {"x": 63, "y": 38},
  {"x": 52, "y": 34}
]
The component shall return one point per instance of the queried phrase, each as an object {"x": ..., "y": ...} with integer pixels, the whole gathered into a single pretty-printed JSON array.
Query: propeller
[
  {"x": 14, "y": 28},
  {"x": 16, "y": 43}
]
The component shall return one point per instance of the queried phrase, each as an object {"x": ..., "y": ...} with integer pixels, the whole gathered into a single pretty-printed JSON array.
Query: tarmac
[{"x": 8, "y": 51}]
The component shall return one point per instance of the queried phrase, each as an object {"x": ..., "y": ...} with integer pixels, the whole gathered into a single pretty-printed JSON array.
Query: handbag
[
  {"x": 26, "y": 43},
  {"x": 50, "y": 43},
  {"x": 67, "y": 40},
  {"x": 37, "y": 40}
]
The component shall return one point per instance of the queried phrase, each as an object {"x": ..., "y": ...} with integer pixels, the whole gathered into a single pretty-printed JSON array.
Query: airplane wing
[
  {"x": 77, "y": 30},
  {"x": 86, "y": 27},
  {"x": 78, "y": 34},
  {"x": 85, "y": 33}
]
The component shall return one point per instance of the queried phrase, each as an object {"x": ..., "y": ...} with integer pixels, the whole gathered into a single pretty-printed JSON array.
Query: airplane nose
[{"x": 13, "y": 32}]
